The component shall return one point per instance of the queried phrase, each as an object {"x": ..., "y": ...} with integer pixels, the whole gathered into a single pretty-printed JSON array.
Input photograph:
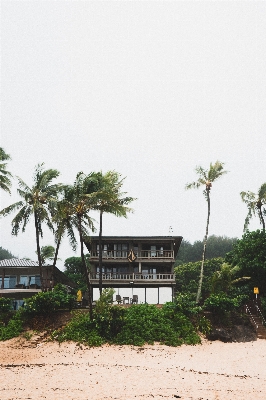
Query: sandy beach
[{"x": 210, "y": 371}]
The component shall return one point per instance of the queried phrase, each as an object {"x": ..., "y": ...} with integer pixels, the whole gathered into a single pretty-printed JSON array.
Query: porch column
[
  {"x": 139, "y": 267},
  {"x": 158, "y": 295}
]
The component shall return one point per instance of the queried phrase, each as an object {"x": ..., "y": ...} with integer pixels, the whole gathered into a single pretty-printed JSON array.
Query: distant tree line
[
  {"x": 5, "y": 254},
  {"x": 217, "y": 246}
]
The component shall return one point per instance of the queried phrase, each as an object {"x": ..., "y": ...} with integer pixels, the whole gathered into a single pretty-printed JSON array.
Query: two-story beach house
[
  {"x": 20, "y": 279},
  {"x": 137, "y": 267}
]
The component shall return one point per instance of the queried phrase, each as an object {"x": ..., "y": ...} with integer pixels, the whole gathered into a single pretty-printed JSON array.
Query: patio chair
[
  {"x": 135, "y": 299},
  {"x": 118, "y": 299}
]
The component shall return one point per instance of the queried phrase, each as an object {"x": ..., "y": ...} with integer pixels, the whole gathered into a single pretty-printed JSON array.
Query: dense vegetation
[
  {"x": 74, "y": 270},
  {"x": 135, "y": 325},
  {"x": 5, "y": 254},
  {"x": 217, "y": 246}
]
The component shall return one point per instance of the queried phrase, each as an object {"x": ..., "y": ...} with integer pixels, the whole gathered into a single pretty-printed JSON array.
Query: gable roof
[{"x": 16, "y": 262}]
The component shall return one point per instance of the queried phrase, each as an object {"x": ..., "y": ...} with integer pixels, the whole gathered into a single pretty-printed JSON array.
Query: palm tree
[
  {"x": 39, "y": 201},
  {"x": 47, "y": 253},
  {"x": 206, "y": 179},
  {"x": 255, "y": 204},
  {"x": 64, "y": 222},
  {"x": 228, "y": 276},
  {"x": 82, "y": 197},
  {"x": 110, "y": 200},
  {"x": 5, "y": 182}
]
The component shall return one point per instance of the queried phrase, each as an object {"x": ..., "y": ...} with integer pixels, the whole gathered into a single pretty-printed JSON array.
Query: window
[
  {"x": 35, "y": 279},
  {"x": 10, "y": 282},
  {"x": 24, "y": 280},
  {"x": 121, "y": 250}
]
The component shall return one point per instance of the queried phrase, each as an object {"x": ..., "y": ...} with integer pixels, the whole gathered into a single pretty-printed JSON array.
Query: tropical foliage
[
  {"x": 217, "y": 246},
  {"x": 5, "y": 254},
  {"x": 206, "y": 179},
  {"x": 48, "y": 302},
  {"x": 136, "y": 325},
  {"x": 187, "y": 277},
  {"x": 256, "y": 205},
  {"x": 74, "y": 270},
  {"x": 249, "y": 254},
  {"x": 113, "y": 201},
  {"x": 5, "y": 175},
  {"x": 37, "y": 201}
]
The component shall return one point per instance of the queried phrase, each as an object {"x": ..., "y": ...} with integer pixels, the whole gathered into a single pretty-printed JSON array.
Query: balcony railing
[
  {"x": 133, "y": 277},
  {"x": 114, "y": 254}
]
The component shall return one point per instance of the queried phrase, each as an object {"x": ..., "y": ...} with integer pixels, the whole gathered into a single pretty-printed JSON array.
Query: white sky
[{"x": 148, "y": 88}]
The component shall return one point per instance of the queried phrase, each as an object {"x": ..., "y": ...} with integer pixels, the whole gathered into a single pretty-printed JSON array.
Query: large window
[
  {"x": 10, "y": 282},
  {"x": 28, "y": 280},
  {"x": 121, "y": 250}
]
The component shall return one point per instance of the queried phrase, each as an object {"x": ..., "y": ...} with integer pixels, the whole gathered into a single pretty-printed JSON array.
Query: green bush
[
  {"x": 80, "y": 329},
  {"x": 12, "y": 329},
  {"x": 135, "y": 325},
  {"x": 5, "y": 305},
  {"x": 147, "y": 324},
  {"x": 186, "y": 304},
  {"x": 49, "y": 302},
  {"x": 187, "y": 276},
  {"x": 221, "y": 303}
]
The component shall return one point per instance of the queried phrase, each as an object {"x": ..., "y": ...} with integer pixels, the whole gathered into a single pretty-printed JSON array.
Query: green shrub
[
  {"x": 49, "y": 302},
  {"x": 80, "y": 329},
  {"x": 221, "y": 303},
  {"x": 12, "y": 329},
  {"x": 147, "y": 324},
  {"x": 186, "y": 304},
  {"x": 135, "y": 325},
  {"x": 187, "y": 276},
  {"x": 5, "y": 305}
]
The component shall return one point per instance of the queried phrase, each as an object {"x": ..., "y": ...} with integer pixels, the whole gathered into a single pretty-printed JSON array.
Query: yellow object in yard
[
  {"x": 256, "y": 290},
  {"x": 79, "y": 296}
]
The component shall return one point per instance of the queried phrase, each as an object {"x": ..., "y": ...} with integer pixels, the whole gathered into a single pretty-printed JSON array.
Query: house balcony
[
  {"x": 143, "y": 254},
  {"x": 137, "y": 279}
]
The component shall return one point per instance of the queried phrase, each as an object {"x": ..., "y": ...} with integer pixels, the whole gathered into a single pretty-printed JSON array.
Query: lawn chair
[
  {"x": 118, "y": 299},
  {"x": 135, "y": 299}
]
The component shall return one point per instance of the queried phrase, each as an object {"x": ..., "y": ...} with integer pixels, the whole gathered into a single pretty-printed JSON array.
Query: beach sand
[{"x": 210, "y": 371}]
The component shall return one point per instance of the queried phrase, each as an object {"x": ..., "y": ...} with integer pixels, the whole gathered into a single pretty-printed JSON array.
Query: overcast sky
[{"x": 148, "y": 88}]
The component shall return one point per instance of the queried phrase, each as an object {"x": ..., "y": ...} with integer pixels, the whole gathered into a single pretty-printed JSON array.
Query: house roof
[
  {"x": 175, "y": 239},
  {"x": 126, "y": 238},
  {"x": 16, "y": 262}
]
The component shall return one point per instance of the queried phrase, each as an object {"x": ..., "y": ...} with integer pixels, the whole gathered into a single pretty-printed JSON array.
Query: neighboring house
[
  {"x": 135, "y": 262},
  {"x": 20, "y": 279}
]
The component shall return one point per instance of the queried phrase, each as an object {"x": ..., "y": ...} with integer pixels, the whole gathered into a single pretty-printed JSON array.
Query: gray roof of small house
[{"x": 16, "y": 262}]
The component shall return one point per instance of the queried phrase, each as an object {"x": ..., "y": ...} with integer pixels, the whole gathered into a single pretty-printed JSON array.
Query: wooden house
[
  {"x": 20, "y": 279},
  {"x": 134, "y": 262}
]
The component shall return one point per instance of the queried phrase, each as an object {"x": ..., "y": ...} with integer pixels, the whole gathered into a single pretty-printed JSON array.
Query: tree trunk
[
  {"x": 100, "y": 255},
  {"x": 204, "y": 248},
  {"x": 55, "y": 259},
  {"x": 85, "y": 269},
  {"x": 261, "y": 219},
  {"x": 38, "y": 248}
]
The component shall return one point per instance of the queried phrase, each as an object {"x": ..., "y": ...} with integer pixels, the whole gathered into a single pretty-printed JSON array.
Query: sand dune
[{"x": 210, "y": 371}]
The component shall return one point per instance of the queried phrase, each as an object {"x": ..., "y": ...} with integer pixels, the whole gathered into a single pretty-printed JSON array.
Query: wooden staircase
[{"x": 253, "y": 312}]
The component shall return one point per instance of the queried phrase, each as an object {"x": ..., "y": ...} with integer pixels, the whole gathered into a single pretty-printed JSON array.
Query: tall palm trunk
[
  {"x": 261, "y": 216},
  {"x": 100, "y": 255},
  {"x": 204, "y": 247},
  {"x": 55, "y": 260},
  {"x": 85, "y": 269},
  {"x": 36, "y": 221}
]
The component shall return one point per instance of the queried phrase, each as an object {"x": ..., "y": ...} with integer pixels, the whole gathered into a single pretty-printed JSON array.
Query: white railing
[
  {"x": 141, "y": 254},
  {"x": 261, "y": 315},
  {"x": 133, "y": 277},
  {"x": 247, "y": 310}
]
